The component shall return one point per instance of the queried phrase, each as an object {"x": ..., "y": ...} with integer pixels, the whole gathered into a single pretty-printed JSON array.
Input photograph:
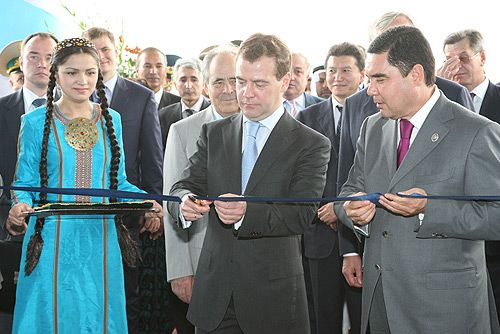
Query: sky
[{"x": 310, "y": 27}]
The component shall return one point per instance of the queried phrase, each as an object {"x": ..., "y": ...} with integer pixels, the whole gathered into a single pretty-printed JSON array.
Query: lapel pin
[{"x": 434, "y": 137}]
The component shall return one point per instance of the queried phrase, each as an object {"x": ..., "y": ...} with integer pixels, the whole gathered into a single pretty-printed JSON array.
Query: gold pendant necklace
[{"x": 81, "y": 134}]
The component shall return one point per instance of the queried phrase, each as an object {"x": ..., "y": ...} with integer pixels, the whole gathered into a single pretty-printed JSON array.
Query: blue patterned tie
[
  {"x": 39, "y": 102},
  {"x": 250, "y": 153}
]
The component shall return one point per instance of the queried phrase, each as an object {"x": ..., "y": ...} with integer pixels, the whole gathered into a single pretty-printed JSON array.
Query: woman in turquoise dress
[{"x": 71, "y": 276}]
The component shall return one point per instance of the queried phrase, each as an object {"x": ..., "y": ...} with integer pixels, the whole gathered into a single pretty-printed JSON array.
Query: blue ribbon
[{"x": 372, "y": 197}]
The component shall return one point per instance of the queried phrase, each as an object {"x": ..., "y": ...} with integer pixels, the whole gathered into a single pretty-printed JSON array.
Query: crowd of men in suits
[{"x": 246, "y": 267}]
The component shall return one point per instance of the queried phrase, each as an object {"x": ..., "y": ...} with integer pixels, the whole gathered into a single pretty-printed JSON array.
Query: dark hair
[
  {"x": 473, "y": 36},
  {"x": 259, "y": 45},
  {"x": 62, "y": 52},
  {"x": 406, "y": 47},
  {"x": 347, "y": 49},
  {"x": 44, "y": 35}
]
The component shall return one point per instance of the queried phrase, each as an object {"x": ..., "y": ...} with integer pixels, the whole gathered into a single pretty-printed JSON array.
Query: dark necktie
[
  {"x": 339, "y": 126},
  {"x": 189, "y": 112},
  {"x": 39, "y": 102},
  {"x": 405, "y": 128}
]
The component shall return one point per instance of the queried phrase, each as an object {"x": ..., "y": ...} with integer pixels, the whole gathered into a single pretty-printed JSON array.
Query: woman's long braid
[
  {"x": 129, "y": 248},
  {"x": 35, "y": 244}
]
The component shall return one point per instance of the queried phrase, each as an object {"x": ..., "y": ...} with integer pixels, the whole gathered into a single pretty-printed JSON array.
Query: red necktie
[{"x": 405, "y": 128}]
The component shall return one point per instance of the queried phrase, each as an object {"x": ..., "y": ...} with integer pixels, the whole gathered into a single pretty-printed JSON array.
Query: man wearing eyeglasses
[{"x": 465, "y": 59}]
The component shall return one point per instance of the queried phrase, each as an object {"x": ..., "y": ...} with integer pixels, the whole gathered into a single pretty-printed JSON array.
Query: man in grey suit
[
  {"x": 356, "y": 109},
  {"x": 424, "y": 262},
  {"x": 141, "y": 143},
  {"x": 188, "y": 80},
  {"x": 183, "y": 246},
  {"x": 250, "y": 277},
  {"x": 345, "y": 71}
]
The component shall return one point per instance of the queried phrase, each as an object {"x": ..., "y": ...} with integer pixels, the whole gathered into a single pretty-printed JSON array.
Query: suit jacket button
[
  {"x": 377, "y": 267},
  {"x": 385, "y": 234}
]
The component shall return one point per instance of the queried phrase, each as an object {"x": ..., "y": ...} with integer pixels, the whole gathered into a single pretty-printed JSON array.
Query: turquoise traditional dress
[{"x": 77, "y": 285}]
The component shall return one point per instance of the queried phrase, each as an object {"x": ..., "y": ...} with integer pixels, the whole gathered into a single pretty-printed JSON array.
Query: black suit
[
  {"x": 321, "y": 242},
  {"x": 259, "y": 267},
  {"x": 490, "y": 108},
  {"x": 171, "y": 114},
  {"x": 168, "y": 99},
  {"x": 11, "y": 110},
  {"x": 143, "y": 165}
]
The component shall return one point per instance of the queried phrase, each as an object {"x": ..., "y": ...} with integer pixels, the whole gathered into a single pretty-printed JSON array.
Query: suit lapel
[
  {"x": 13, "y": 116},
  {"x": 120, "y": 97},
  {"x": 325, "y": 120},
  {"x": 491, "y": 103},
  {"x": 433, "y": 131},
  {"x": 231, "y": 142},
  {"x": 275, "y": 150}
]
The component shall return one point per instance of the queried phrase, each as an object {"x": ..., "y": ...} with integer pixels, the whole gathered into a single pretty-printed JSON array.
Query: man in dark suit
[
  {"x": 250, "y": 276},
  {"x": 188, "y": 80},
  {"x": 345, "y": 65},
  {"x": 356, "y": 109},
  {"x": 141, "y": 141},
  {"x": 36, "y": 52},
  {"x": 152, "y": 67},
  {"x": 295, "y": 96},
  {"x": 465, "y": 59}
]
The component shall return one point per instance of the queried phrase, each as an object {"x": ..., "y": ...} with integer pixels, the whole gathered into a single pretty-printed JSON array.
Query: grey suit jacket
[
  {"x": 260, "y": 266},
  {"x": 320, "y": 239},
  {"x": 183, "y": 246},
  {"x": 356, "y": 109},
  {"x": 433, "y": 272}
]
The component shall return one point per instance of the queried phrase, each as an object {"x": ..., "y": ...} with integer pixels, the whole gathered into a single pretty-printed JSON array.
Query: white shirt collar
[
  {"x": 481, "y": 89},
  {"x": 158, "y": 95},
  {"x": 300, "y": 102},
  {"x": 270, "y": 121},
  {"x": 111, "y": 83},
  {"x": 29, "y": 97},
  {"x": 196, "y": 107},
  {"x": 419, "y": 118}
]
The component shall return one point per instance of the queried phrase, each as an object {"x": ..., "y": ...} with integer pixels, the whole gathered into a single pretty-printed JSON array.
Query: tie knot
[
  {"x": 252, "y": 128},
  {"x": 39, "y": 102},
  {"x": 189, "y": 112},
  {"x": 472, "y": 95},
  {"x": 340, "y": 108},
  {"x": 405, "y": 128}
]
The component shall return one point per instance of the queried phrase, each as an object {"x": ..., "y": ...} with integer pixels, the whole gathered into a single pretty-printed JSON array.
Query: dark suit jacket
[
  {"x": 260, "y": 266},
  {"x": 319, "y": 239},
  {"x": 356, "y": 109},
  {"x": 490, "y": 108},
  {"x": 11, "y": 110},
  {"x": 141, "y": 134},
  {"x": 171, "y": 114},
  {"x": 168, "y": 99}
]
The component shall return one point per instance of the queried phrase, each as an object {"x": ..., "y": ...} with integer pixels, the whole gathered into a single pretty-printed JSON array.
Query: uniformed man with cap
[{"x": 10, "y": 66}]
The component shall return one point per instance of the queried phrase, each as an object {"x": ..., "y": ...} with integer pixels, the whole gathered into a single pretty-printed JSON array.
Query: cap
[
  {"x": 171, "y": 59},
  {"x": 9, "y": 58}
]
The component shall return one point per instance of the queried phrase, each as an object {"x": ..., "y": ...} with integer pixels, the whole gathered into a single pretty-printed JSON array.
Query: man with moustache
[
  {"x": 183, "y": 246},
  {"x": 188, "y": 80}
]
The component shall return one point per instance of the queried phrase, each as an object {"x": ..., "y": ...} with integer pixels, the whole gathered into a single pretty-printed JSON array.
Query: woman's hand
[
  {"x": 16, "y": 222},
  {"x": 154, "y": 221}
]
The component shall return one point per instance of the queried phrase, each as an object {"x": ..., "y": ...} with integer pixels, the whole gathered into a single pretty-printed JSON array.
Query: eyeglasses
[{"x": 467, "y": 59}]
